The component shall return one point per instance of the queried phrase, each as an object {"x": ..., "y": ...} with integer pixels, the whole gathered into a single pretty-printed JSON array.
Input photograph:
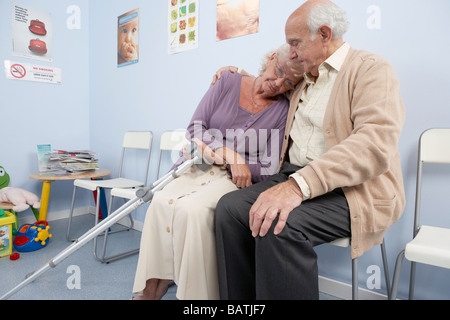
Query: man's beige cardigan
[{"x": 362, "y": 127}]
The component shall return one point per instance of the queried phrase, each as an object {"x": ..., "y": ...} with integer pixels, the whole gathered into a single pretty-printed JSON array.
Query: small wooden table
[
  {"x": 48, "y": 178},
  {"x": 6, "y": 205}
]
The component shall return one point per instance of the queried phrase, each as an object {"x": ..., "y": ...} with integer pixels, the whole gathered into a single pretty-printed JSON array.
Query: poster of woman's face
[{"x": 128, "y": 38}]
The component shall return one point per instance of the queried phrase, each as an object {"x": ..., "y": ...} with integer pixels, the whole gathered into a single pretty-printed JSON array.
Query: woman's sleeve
[
  {"x": 200, "y": 125},
  {"x": 269, "y": 153}
]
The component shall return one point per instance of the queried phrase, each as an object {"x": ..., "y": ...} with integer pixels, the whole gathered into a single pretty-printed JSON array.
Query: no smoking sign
[
  {"x": 30, "y": 72},
  {"x": 18, "y": 71}
]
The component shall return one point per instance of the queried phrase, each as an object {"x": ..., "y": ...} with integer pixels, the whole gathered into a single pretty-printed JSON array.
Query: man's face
[{"x": 310, "y": 53}]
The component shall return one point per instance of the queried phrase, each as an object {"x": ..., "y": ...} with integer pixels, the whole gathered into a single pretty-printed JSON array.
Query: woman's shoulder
[
  {"x": 284, "y": 103},
  {"x": 231, "y": 76},
  {"x": 229, "y": 81}
]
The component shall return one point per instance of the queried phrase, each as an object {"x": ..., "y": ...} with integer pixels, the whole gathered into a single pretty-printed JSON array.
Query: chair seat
[
  {"x": 430, "y": 246},
  {"x": 109, "y": 184},
  {"x": 124, "y": 193},
  {"x": 343, "y": 242}
]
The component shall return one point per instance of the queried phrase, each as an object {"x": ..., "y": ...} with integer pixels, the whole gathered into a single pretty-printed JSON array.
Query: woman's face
[{"x": 279, "y": 77}]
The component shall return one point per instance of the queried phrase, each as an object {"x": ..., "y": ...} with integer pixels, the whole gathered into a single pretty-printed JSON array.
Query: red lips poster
[{"x": 32, "y": 33}]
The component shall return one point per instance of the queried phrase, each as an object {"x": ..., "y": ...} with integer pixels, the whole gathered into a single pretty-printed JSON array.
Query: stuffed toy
[{"x": 20, "y": 198}]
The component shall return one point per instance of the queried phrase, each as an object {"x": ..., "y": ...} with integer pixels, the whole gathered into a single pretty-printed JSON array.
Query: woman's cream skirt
[{"x": 178, "y": 239}]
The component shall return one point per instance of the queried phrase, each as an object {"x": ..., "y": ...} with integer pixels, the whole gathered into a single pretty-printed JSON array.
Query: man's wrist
[{"x": 302, "y": 185}]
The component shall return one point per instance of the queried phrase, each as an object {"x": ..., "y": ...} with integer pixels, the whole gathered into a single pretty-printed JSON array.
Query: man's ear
[{"x": 325, "y": 33}]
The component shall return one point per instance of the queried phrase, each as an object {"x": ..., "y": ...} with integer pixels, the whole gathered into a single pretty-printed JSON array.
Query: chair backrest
[
  {"x": 141, "y": 140},
  {"x": 434, "y": 147},
  {"x": 172, "y": 140}
]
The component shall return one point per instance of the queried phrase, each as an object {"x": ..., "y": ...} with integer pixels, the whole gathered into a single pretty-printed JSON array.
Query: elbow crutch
[{"x": 143, "y": 195}]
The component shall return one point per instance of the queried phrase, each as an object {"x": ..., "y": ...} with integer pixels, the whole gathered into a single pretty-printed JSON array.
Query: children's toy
[
  {"x": 7, "y": 219},
  {"x": 14, "y": 256},
  {"x": 20, "y": 198},
  {"x": 32, "y": 237},
  {"x": 4, "y": 178}
]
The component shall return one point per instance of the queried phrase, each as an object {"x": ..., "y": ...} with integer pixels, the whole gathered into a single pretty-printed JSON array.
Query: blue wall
[{"x": 98, "y": 102}]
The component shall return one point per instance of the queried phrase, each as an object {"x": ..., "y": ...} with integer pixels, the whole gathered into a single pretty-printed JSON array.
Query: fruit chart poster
[
  {"x": 128, "y": 38},
  {"x": 32, "y": 33},
  {"x": 183, "y": 25},
  {"x": 237, "y": 18}
]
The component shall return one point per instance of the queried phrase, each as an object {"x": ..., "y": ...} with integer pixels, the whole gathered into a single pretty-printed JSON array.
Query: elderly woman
[{"x": 239, "y": 125}]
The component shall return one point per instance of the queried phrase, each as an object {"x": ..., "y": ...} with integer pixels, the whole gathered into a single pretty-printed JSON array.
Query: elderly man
[{"x": 340, "y": 172}]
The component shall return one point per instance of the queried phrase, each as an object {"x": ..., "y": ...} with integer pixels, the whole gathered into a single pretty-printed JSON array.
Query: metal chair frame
[
  {"x": 170, "y": 141},
  {"x": 345, "y": 242},
  {"x": 434, "y": 147},
  {"x": 137, "y": 140}
]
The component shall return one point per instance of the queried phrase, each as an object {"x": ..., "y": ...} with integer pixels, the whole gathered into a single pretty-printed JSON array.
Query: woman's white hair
[
  {"x": 283, "y": 55},
  {"x": 328, "y": 14}
]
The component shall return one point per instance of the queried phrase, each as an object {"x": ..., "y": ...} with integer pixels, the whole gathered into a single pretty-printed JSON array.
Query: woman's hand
[
  {"x": 218, "y": 74},
  {"x": 207, "y": 153},
  {"x": 241, "y": 175},
  {"x": 240, "y": 172}
]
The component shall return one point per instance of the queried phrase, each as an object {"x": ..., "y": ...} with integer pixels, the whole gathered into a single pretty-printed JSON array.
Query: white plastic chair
[
  {"x": 170, "y": 141},
  {"x": 345, "y": 242},
  {"x": 430, "y": 245},
  {"x": 138, "y": 140}
]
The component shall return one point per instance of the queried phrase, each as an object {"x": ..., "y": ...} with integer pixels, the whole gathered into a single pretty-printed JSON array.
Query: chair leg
[
  {"x": 355, "y": 286},
  {"x": 105, "y": 239},
  {"x": 71, "y": 214},
  {"x": 412, "y": 280},
  {"x": 109, "y": 259},
  {"x": 386, "y": 269},
  {"x": 395, "y": 280},
  {"x": 97, "y": 213}
]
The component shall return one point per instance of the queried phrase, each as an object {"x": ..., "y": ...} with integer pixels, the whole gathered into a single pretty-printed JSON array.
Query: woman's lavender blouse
[{"x": 220, "y": 121}]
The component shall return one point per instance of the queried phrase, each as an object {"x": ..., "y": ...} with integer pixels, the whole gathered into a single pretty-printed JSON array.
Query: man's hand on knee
[{"x": 279, "y": 201}]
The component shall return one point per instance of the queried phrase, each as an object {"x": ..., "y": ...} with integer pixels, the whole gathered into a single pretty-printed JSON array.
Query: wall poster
[
  {"x": 183, "y": 25},
  {"x": 237, "y": 18},
  {"x": 32, "y": 33},
  {"x": 128, "y": 38}
]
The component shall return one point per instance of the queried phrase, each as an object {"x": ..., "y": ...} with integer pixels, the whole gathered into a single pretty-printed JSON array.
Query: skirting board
[
  {"x": 326, "y": 285},
  {"x": 344, "y": 290}
]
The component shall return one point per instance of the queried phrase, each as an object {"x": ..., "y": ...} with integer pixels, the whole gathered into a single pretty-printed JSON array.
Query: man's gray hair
[{"x": 328, "y": 14}]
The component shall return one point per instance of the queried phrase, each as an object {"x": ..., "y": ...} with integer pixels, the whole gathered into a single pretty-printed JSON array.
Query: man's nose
[{"x": 292, "y": 53}]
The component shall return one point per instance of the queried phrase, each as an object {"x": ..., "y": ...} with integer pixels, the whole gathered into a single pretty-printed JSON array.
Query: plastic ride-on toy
[{"x": 31, "y": 237}]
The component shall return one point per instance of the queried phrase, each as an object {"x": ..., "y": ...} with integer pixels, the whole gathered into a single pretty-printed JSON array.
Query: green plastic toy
[
  {"x": 4, "y": 182},
  {"x": 4, "y": 178}
]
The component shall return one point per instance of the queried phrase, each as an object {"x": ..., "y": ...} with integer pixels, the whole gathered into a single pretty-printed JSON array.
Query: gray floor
[{"x": 97, "y": 281}]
